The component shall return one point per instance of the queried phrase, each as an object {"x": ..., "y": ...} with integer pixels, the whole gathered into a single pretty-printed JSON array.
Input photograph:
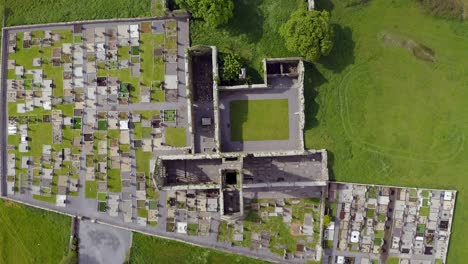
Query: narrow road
[{"x": 3, "y": 117}]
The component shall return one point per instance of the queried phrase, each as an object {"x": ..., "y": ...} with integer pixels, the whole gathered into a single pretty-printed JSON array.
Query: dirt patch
[
  {"x": 419, "y": 50},
  {"x": 11, "y": 204},
  {"x": 296, "y": 229},
  {"x": 445, "y": 8},
  {"x": 146, "y": 27}
]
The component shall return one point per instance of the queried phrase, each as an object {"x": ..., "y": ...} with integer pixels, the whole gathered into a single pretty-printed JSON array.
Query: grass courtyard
[
  {"x": 259, "y": 120},
  {"x": 30, "y": 235},
  {"x": 385, "y": 115},
  {"x": 176, "y": 136},
  {"x": 146, "y": 249}
]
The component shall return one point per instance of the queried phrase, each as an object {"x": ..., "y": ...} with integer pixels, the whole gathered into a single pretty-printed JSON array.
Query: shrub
[
  {"x": 230, "y": 67},
  {"x": 214, "y": 12}
]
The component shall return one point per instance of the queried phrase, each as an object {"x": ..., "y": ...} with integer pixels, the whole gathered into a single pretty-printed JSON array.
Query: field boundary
[{"x": 123, "y": 20}]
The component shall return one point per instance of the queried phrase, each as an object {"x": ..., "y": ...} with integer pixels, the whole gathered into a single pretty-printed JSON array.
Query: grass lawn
[
  {"x": 393, "y": 260},
  {"x": 123, "y": 53},
  {"x": 102, "y": 197},
  {"x": 145, "y": 249},
  {"x": 124, "y": 148},
  {"x": 77, "y": 39},
  {"x": 40, "y": 134},
  {"x": 137, "y": 130},
  {"x": 158, "y": 95},
  {"x": 152, "y": 66},
  {"x": 114, "y": 181},
  {"x": 142, "y": 165},
  {"x": 148, "y": 114},
  {"x": 142, "y": 212},
  {"x": 146, "y": 132},
  {"x": 91, "y": 189},
  {"x": 176, "y": 136},
  {"x": 259, "y": 120},
  {"x": 225, "y": 232},
  {"x": 142, "y": 160},
  {"x": 192, "y": 229},
  {"x": 28, "y": 234},
  {"x": 102, "y": 125},
  {"x": 113, "y": 133}
]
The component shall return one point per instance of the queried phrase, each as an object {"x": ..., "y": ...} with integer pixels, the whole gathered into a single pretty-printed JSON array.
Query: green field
[
  {"x": 388, "y": 116},
  {"x": 387, "y": 113},
  {"x": 146, "y": 249},
  {"x": 30, "y": 235},
  {"x": 36, "y": 12},
  {"x": 259, "y": 120}
]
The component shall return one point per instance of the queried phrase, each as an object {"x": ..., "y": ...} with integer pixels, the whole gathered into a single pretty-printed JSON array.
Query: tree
[
  {"x": 214, "y": 12},
  {"x": 230, "y": 68},
  {"x": 308, "y": 33}
]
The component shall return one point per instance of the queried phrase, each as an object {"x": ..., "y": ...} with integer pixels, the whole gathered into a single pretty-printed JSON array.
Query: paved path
[
  {"x": 133, "y": 179},
  {"x": 141, "y": 106},
  {"x": 3, "y": 117}
]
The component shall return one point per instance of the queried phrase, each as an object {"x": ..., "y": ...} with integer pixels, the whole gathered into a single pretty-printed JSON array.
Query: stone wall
[
  {"x": 301, "y": 104},
  {"x": 217, "y": 135},
  {"x": 188, "y": 84}
]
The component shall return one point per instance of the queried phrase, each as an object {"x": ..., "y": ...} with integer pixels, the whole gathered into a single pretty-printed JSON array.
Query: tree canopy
[
  {"x": 230, "y": 67},
  {"x": 214, "y": 12},
  {"x": 308, "y": 33}
]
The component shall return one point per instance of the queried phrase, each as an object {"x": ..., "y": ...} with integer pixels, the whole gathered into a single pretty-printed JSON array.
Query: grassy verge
[
  {"x": 146, "y": 249},
  {"x": 36, "y": 12}
]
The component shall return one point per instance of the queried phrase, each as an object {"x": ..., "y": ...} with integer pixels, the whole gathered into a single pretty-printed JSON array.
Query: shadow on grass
[
  {"x": 312, "y": 79},
  {"x": 254, "y": 74},
  {"x": 324, "y": 5},
  {"x": 247, "y": 20},
  {"x": 331, "y": 162},
  {"x": 342, "y": 54},
  {"x": 241, "y": 109}
]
